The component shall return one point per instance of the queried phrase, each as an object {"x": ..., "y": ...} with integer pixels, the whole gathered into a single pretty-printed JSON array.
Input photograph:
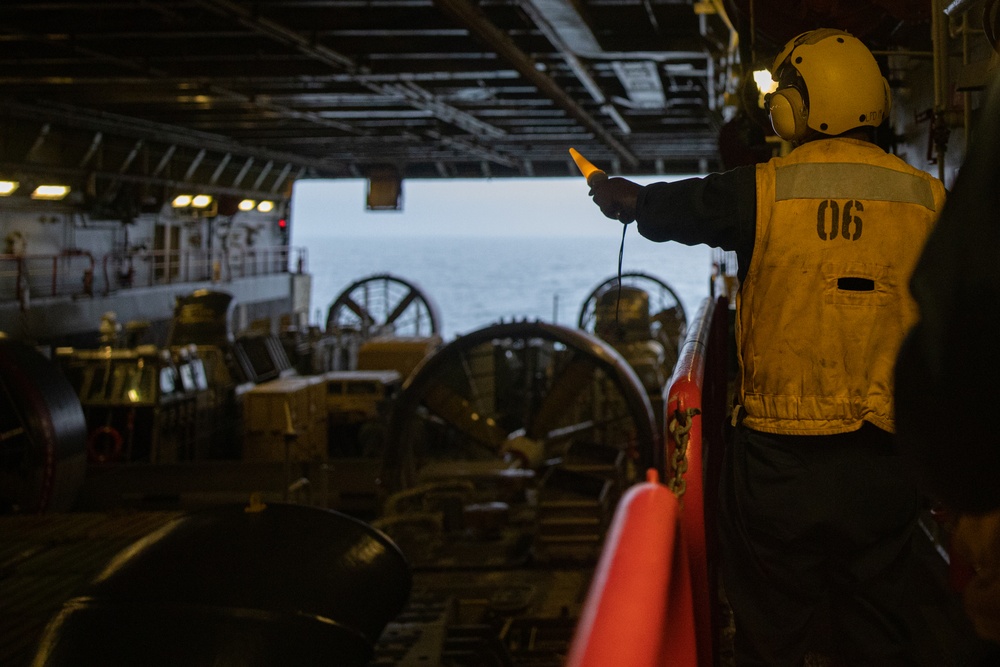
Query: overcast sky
[{"x": 451, "y": 207}]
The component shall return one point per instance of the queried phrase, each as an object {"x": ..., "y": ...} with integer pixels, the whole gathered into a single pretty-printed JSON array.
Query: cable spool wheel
[
  {"x": 667, "y": 319},
  {"x": 381, "y": 305},
  {"x": 42, "y": 433},
  {"x": 516, "y": 395},
  {"x": 234, "y": 584}
]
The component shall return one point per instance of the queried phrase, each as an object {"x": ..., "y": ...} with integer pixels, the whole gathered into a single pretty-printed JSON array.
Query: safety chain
[{"x": 680, "y": 427}]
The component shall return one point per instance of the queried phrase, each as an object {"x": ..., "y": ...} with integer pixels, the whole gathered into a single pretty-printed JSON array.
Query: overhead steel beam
[
  {"x": 558, "y": 37},
  {"x": 243, "y": 172},
  {"x": 415, "y": 96},
  {"x": 43, "y": 134},
  {"x": 94, "y": 145},
  {"x": 280, "y": 178},
  {"x": 194, "y": 165},
  {"x": 218, "y": 90},
  {"x": 130, "y": 158},
  {"x": 14, "y": 79},
  {"x": 263, "y": 26},
  {"x": 470, "y": 16},
  {"x": 223, "y": 163},
  {"x": 123, "y": 126},
  {"x": 164, "y": 160},
  {"x": 423, "y": 100},
  {"x": 472, "y": 149},
  {"x": 263, "y": 174}
]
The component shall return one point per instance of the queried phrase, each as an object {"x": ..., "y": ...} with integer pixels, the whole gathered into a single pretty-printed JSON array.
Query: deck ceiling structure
[{"x": 249, "y": 95}]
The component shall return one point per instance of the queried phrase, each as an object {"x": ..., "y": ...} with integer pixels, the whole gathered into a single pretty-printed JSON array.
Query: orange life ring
[{"x": 104, "y": 444}]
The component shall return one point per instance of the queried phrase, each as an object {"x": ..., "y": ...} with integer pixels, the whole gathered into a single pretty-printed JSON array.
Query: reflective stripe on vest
[
  {"x": 851, "y": 181},
  {"x": 825, "y": 304}
]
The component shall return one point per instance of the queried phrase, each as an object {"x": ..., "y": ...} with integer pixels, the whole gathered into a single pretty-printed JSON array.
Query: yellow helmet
[{"x": 828, "y": 81}]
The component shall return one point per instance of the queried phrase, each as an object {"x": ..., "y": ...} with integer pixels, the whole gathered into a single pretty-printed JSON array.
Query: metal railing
[
  {"x": 639, "y": 610},
  {"x": 73, "y": 273},
  {"x": 70, "y": 272},
  {"x": 651, "y": 600}
]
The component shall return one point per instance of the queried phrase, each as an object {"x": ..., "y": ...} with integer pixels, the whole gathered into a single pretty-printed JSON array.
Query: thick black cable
[{"x": 621, "y": 255}]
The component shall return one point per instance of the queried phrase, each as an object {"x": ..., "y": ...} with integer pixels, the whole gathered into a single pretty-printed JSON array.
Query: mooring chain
[{"x": 681, "y": 423}]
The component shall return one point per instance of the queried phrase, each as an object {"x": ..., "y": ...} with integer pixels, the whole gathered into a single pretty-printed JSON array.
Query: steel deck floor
[{"x": 46, "y": 559}]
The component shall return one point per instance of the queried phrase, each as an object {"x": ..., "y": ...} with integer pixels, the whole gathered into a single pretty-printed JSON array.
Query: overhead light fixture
[
  {"x": 7, "y": 188},
  {"x": 50, "y": 192},
  {"x": 247, "y": 205},
  {"x": 265, "y": 206},
  {"x": 196, "y": 205}
]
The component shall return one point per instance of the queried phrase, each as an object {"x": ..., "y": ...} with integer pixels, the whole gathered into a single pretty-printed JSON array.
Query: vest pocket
[{"x": 858, "y": 284}]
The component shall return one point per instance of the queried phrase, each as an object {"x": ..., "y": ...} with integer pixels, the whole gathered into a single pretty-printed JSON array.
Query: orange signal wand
[{"x": 586, "y": 167}]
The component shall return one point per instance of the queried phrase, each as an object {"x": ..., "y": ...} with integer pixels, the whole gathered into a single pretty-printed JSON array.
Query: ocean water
[{"x": 475, "y": 282}]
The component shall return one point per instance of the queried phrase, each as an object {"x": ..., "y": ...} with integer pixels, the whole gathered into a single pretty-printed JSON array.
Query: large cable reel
[{"x": 42, "y": 433}]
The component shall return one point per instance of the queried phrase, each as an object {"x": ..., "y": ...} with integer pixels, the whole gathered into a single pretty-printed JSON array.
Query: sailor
[
  {"x": 110, "y": 329},
  {"x": 947, "y": 370},
  {"x": 816, "y": 514}
]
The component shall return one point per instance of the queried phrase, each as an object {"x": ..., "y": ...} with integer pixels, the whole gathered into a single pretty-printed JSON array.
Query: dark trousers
[{"x": 816, "y": 540}]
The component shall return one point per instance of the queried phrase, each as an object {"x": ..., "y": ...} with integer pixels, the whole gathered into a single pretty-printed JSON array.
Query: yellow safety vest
[{"x": 825, "y": 303}]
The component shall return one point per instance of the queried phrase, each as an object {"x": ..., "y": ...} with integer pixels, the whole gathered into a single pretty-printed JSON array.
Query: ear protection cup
[{"x": 788, "y": 113}]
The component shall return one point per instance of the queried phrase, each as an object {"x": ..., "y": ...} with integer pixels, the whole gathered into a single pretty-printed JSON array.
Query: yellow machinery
[{"x": 285, "y": 419}]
